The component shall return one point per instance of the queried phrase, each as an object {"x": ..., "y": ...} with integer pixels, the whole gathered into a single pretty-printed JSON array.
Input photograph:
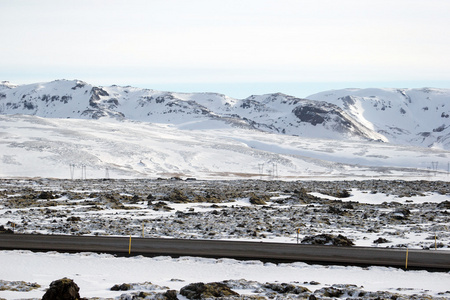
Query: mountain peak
[{"x": 7, "y": 84}]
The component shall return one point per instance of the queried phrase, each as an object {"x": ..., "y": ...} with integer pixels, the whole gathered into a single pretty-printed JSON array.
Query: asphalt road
[{"x": 276, "y": 252}]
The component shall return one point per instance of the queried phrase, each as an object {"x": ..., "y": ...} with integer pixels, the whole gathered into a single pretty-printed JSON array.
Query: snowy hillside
[
  {"x": 72, "y": 129},
  {"x": 276, "y": 113},
  {"x": 32, "y": 146},
  {"x": 418, "y": 117}
]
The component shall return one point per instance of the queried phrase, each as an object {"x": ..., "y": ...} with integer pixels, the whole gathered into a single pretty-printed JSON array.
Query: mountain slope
[
  {"x": 32, "y": 146},
  {"x": 418, "y": 117},
  {"x": 60, "y": 128},
  {"x": 277, "y": 113}
]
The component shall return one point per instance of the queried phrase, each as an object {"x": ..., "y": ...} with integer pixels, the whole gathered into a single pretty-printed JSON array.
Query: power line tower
[
  {"x": 274, "y": 170},
  {"x": 72, "y": 170},
  {"x": 435, "y": 166},
  {"x": 83, "y": 171},
  {"x": 261, "y": 170},
  {"x": 107, "y": 173}
]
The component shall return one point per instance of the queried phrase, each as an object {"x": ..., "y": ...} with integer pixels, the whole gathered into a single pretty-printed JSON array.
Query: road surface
[{"x": 276, "y": 252}]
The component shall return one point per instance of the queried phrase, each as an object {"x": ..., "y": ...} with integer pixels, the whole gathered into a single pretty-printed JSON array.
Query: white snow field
[
  {"x": 95, "y": 274},
  {"x": 32, "y": 146}
]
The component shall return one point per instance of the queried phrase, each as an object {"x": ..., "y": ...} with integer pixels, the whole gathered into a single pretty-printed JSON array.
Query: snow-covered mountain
[
  {"x": 47, "y": 129},
  {"x": 276, "y": 113},
  {"x": 418, "y": 117}
]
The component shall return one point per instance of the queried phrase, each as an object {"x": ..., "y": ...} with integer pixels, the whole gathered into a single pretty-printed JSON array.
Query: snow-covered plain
[
  {"x": 95, "y": 274},
  {"x": 31, "y": 146}
]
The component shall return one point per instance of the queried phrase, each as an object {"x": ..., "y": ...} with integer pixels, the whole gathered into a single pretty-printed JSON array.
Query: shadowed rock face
[
  {"x": 332, "y": 117},
  {"x": 62, "y": 289},
  {"x": 310, "y": 114}
]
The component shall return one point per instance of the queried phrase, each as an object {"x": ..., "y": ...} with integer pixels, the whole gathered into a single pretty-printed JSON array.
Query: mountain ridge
[
  {"x": 417, "y": 117},
  {"x": 387, "y": 115}
]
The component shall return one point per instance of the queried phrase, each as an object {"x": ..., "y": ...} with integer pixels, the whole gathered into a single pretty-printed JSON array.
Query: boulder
[
  {"x": 62, "y": 289},
  {"x": 201, "y": 290},
  {"x": 381, "y": 240},
  {"x": 286, "y": 288},
  {"x": 444, "y": 204},
  {"x": 176, "y": 196},
  {"x": 46, "y": 195},
  {"x": 327, "y": 239},
  {"x": 121, "y": 287},
  {"x": 5, "y": 230},
  {"x": 170, "y": 295},
  {"x": 259, "y": 199},
  {"x": 401, "y": 213}
]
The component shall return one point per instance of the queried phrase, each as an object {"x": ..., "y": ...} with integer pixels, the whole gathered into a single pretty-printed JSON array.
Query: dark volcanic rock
[
  {"x": 201, "y": 290},
  {"x": 327, "y": 239},
  {"x": 170, "y": 295},
  {"x": 121, "y": 287},
  {"x": 331, "y": 292},
  {"x": 5, "y": 230},
  {"x": 62, "y": 289},
  {"x": 177, "y": 196},
  {"x": 381, "y": 240},
  {"x": 444, "y": 204},
  {"x": 286, "y": 288},
  {"x": 259, "y": 200},
  {"x": 46, "y": 195}
]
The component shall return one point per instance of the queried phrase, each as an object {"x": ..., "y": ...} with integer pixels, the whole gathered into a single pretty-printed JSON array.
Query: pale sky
[{"x": 238, "y": 48}]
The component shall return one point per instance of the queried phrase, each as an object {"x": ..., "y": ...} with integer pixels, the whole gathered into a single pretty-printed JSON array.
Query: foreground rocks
[
  {"x": 270, "y": 290},
  {"x": 18, "y": 286},
  {"x": 327, "y": 239},
  {"x": 201, "y": 290},
  {"x": 241, "y": 209},
  {"x": 67, "y": 289},
  {"x": 62, "y": 289},
  {"x": 4, "y": 230}
]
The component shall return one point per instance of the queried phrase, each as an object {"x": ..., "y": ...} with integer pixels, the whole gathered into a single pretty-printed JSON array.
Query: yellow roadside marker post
[
  {"x": 406, "y": 263},
  {"x": 142, "y": 229},
  {"x": 435, "y": 241},
  {"x": 129, "y": 247}
]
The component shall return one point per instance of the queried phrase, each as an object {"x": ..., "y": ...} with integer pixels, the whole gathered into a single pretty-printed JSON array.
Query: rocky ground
[
  {"x": 252, "y": 210},
  {"x": 66, "y": 288},
  {"x": 303, "y": 211}
]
